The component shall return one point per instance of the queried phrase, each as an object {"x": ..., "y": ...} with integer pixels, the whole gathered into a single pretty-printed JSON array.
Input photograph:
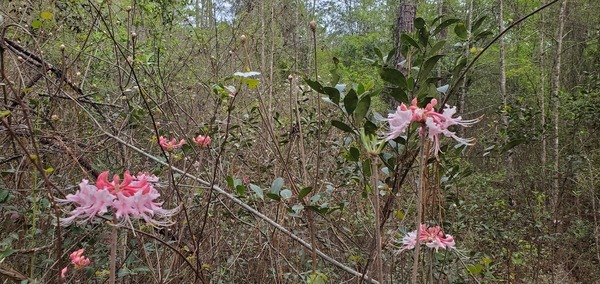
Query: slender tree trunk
[
  {"x": 555, "y": 108},
  {"x": 555, "y": 138},
  {"x": 543, "y": 95},
  {"x": 464, "y": 87},
  {"x": 509, "y": 153}
]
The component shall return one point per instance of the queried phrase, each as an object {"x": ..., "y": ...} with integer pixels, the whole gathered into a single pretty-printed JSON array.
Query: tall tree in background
[
  {"x": 555, "y": 108},
  {"x": 407, "y": 11}
]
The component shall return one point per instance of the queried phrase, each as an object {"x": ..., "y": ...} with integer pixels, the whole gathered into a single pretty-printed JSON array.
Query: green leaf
[
  {"x": 46, "y": 15},
  {"x": 354, "y": 154},
  {"x": 428, "y": 66},
  {"x": 366, "y": 167},
  {"x": 304, "y": 192},
  {"x": 419, "y": 23},
  {"x": 461, "y": 31},
  {"x": 462, "y": 62},
  {"x": 36, "y": 24},
  {"x": 240, "y": 189},
  {"x": 285, "y": 194},
  {"x": 390, "y": 55},
  {"x": 406, "y": 39},
  {"x": 362, "y": 108},
  {"x": 335, "y": 76},
  {"x": 333, "y": 93},
  {"x": 444, "y": 25},
  {"x": 4, "y": 113},
  {"x": 342, "y": 126},
  {"x": 6, "y": 253},
  {"x": 4, "y": 195},
  {"x": 259, "y": 191},
  {"x": 477, "y": 23},
  {"x": 350, "y": 101},
  {"x": 475, "y": 269},
  {"x": 370, "y": 128},
  {"x": 277, "y": 185},
  {"x": 315, "y": 86},
  {"x": 378, "y": 52},
  {"x": 437, "y": 47},
  {"x": 317, "y": 278},
  {"x": 483, "y": 35},
  {"x": 274, "y": 196},
  {"x": 393, "y": 76},
  {"x": 252, "y": 83},
  {"x": 399, "y": 95}
]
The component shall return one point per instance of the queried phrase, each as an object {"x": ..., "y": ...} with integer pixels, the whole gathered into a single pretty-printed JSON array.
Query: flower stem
[
  {"x": 113, "y": 255},
  {"x": 376, "y": 208},
  {"x": 421, "y": 188}
]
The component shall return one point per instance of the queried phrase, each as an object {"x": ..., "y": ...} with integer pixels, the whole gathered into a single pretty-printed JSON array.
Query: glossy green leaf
[
  {"x": 406, "y": 39},
  {"x": 362, "y": 108},
  {"x": 437, "y": 47},
  {"x": 350, "y": 101},
  {"x": 304, "y": 192},
  {"x": 333, "y": 93},
  {"x": 315, "y": 86},
  {"x": 428, "y": 66},
  {"x": 370, "y": 128},
  {"x": 444, "y": 25},
  {"x": 461, "y": 31},
  {"x": 274, "y": 196},
  {"x": 366, "y": 167},
  {"x": 478, "y": 23},
  {"x": 419, "y": 23},
  {"x": 393, "y": 76},
  {"x": 378, "y": 53},
  {"x": 342, "y": 126},
  {"x": 399, "y": 95},
  {"x": 240, "y": 189},
  {"x": 354, "y": 154}
]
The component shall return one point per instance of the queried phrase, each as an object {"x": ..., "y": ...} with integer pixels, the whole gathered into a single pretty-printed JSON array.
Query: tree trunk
[
  {"x": 556, "y": 105},
  {"x": 407, "y": 11},
  {"x": 543, "y": 96},
  {"x": 464, "y": 87}
]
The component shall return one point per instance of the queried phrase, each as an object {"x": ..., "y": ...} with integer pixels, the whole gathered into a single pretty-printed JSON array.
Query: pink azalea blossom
[
  {"x": 169, "y": 146},
  {"x": 432, "y": 122},
  {"x": 78, "y": 259},
  {"x": 146, "y": 175},
  {"x": 63, "y": 272},
  {"x": 202, "y": 141},
  {"x": 128, "y": 187},
  {"x": 89, "y": 202},
  {"x": 134, "y": 197},
  {"x": 432, "y": 237}
]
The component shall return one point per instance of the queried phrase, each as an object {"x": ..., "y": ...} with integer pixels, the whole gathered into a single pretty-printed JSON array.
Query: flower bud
[
  {"x": 243, "y": 39},
  {"x": 313, "y": 25},
  {"x": 62, "y": 47}
]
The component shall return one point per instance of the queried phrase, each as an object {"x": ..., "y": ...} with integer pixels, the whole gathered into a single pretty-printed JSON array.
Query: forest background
[{"x": 288, "y": 190}]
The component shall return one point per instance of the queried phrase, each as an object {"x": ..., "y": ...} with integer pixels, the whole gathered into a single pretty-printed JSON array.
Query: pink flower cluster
[
  {"x": 78, "y": 260},
  {"x": 202, "y": 141},
  {"x": 432, "y": 237},
  {"x": 133, "y": 197},
  {"x": 435, "y": 123},
  {"x": 169, "y": 146}
]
